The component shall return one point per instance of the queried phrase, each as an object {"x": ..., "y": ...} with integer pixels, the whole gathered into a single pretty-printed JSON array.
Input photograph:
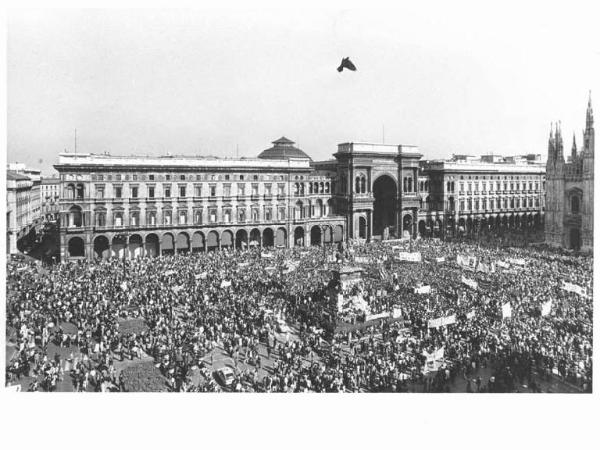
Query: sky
[{"x": 449, "y": 79}]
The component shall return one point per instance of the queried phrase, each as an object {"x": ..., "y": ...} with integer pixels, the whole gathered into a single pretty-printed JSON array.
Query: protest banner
[
  {"x": 408, "y": 256},
  {"x": 506, "y": 310},
  {"x": 503, "y": 265},
  {"x": 467, "y": 262},
  {"x": 170, "y": 272},
  {"x": 517, "y": 262},
  {"x": 471, "y": 314},
  {"x": 570, "y": 287},
  {"x": 124, "y": 285},
  {"x": 362, "y": 260},
  {"x": 382, "y": 315},
  {"x": 441, "y": 321},
  {"x": 396, "y": 312},
  {"x": 441, "y": 259},
  {"x": 225, "y": 283},
  {"x": 422, "y": 290}
]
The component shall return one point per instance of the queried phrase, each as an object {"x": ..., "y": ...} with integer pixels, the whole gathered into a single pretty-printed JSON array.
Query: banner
[
  {"x": 377, "y": 316},
  {"x": 225, "y": 283},
  {"x": 570, "y": 287},
  {"x": 170, "y": 272},
  {"x": 422, "y": 290},
  {"x": 362, "y": 260},
  {"x": 396, "y": 312},
  {"x": 266, "y": 255},
  {"x": 201, "y": 276},
  {"x": 441, "y": 321},
  {"x": 466, "y": 261},
  {"x": 503, "y": 265},
  {"x": 471, "y": 314},
  {"x": 124, "y": 285},
  {"x": 471, "y": 283},
  {"x": 176, "y": 289},
  {"x": 486, "y": 268},
  {"x": 441, "y": 259},
  {"x": 410, "y": 257},
  {"x": 517, "y": 261},
  {"x": 506, "y": 310},
  {"x": 546, "y": 308}
]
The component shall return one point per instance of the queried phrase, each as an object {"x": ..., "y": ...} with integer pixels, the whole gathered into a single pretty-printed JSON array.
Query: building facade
[
  {"x": 113, "y": 206},
  {"x": 50, "y": 194},
  {"x": 570, "y": 190},
  {"x": 19, "y": 211},
  {"x": 470, "y": 194}
]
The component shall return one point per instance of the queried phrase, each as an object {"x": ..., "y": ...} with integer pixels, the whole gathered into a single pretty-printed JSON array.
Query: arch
[
  {"x": 422, "y": 226},
  {"x": 80, "y": 191},
  {"x": 76, "y": 247},
  {"x": 255, "y": 237},
  {"x": 362, "y": 227},
  {"x": 315, "y": 235},
  {"x": 280, "y": 237},
  {"x": 119, "y": 246},
  {"x": 327, "y": 235},
  {"x": 338, "y": 233},
  {"x": 268, "y": 237},
  {"x": 329, "y": 208},
  {"x": 438, "y": 227},
  {"x": 318, "y": 208},
  {"x": 101, "y": 247},
  {"x": 384, "y": 206},
  {"x": 298, "y": 210},
  {"x": 136, "y": 246},
  {"x": 241, "y": 239},
  {"x": 167, "y": 244},
  {"x": 75, "y": 218},
  {"x": 299, "y": 236},
  {"x": 227, "y": 239},
  {"x": 212, "y": 241},
  {"x": 469, "y": 225},
  {"x": 575, "y": 238},
  {"x": 183, "y": 243},
  {"x": 198, "y": 242},
  {"x": 152, "y": 247},
  {"x": 574, "y": 204},
  {"x": 407, "y": 221}
]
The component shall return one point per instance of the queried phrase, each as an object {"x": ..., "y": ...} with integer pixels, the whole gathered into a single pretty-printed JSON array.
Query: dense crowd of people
[{"x": 275, "y": 315}]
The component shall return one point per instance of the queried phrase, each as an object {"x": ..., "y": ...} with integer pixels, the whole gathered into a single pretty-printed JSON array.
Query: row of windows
[
  {"x": 499, "y": 204},
  {"x": 500, "y": 186},
  {"x": 500, "y": 177},
  {"x": 178, "y": 177}
]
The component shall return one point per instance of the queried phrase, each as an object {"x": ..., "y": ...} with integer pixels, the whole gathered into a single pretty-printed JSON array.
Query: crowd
[{"x": 242, "y": 303}]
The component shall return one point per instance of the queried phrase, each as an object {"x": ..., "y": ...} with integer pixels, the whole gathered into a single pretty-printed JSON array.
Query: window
[
  {"x": 227, "y": 177},
  {"x": 168, "y": 177},
  {"x": 100, "y": 219},
  {"x": 281, "y": 189},
  {"x": 167, "y": 190},
  {"x": 198, "y": 217},
  {"x": 99, "y": 191},
  {"x": 476, "y": 204},
  {"x": 151, "y": 217},
  {"x": 491, "y": 203},
  {"x": 118, "y": 177},
  {"x": 134, "y": 218},
  {"x": 167, "y": 217},
  {"x": 226, "y": 190},
  {"x": 213, "y": 190},
  {"x": 181, "y": 191},
  {"x": 197, "y": 190},
  {"x": 254, "y": 214},
  {"x": 151, "y": 177},
  {"x": 241, "y": 188},
  {"x": 255, "y": 178},
  {"x": 268, "y": 214},
  {"x": 118, "y": 219},
  {"x": 268, "y": 189},
  {"x": 100, "y": 177},
  {"x": 255, "y": 188},
  {"x": 134, "y": 176},
  {"x": 212, "y": 215},
  {"x": 469, "y": 205},
  {"x": 241, "y": 215},
  {"x": 182, "y": 217},
  {"x": 227, "y": 215},
  {"x": 484, "y": 203},
  {"x": 182, "y": 177},
  {"x": 462, "y": 187},
  {"x": 281, "y": 213},
  {"x": 134, "y": 192},
  {"x": 118, "y": 192},
  {"x": 241, "y": 177},
  {"x": 151, "y": 191}
]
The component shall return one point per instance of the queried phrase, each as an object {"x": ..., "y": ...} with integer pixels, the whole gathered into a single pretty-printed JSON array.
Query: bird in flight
[{"x": 346, "y": 63}]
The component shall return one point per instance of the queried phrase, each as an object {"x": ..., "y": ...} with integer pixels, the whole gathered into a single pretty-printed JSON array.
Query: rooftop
[
  {"x": 16, "y": 176},
  {"x": 283, "y": 148}
]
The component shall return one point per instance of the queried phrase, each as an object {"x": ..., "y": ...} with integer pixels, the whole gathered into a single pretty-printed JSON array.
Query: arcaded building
[{"x": 570, "y": 190}]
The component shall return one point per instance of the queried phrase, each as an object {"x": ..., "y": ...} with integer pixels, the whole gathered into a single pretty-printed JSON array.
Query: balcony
[
  {"x": 268, "y": 197},
  {"x": 241, "y": 198},
  {"x": 227, "y": 198},
  {"x": 254, "y": 197},
  {"x": 212, "y": 199},
  {"x": 280, "y": 196}
]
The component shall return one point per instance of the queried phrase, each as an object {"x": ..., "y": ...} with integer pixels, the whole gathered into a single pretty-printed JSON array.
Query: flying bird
[{"x": 346, "y": 63}]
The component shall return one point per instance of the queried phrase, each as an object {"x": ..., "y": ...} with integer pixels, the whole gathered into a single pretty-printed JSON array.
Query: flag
[
  {"x": 506, "y": 310},
  {"x": 225, "y": 283}
]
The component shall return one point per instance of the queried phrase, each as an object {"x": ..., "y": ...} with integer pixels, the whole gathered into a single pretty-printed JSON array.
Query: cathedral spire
[
  {"x": 559, "y": 145},
  {"x": 574, "y": 149},
  {"x": 551, "y": 147},
  {"x": 589, "y": 115}
]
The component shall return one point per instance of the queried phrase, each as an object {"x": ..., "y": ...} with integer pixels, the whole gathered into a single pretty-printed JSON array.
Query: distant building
[
  {"x": 570, "y": 190},
  {"x": 36, "y": 197},
  {"x": 19, "y": 216},
  {"x": 50, "y": 194},
  {"x": 467, "y": 194}
]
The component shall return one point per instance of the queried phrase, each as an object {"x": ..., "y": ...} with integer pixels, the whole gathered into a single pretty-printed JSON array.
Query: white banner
[
  {"x": 201, "y": 276},
  {"x": 486, "y": 268},
  {"x": 397, "y": 312},
  {"x": 546, "y": 308},
  {"x": 407, "y": 256},
  {"x": 225, "y": 283},
  {"x": 170, "y": 272},
  {"x": 441, "y": 321},
  {"x": 266, "y": 255},
  {"x": 503, "y": 265},
  {"x": 441, "y": 259},
  {"x": 422, "y": 290},
  {"x": 471, "y": 314},
  {"x": 570, "y": 287},
  {"x": 517, "y": 261},
  {"x": 362, "y": 260},
  {"x": 466, "y": 261},
  {"x": 124, "y": 285},
  {"x": 506, "y": 310},
  {"x": 471, "y": 283},
  {"x": 377, "y": 316}
]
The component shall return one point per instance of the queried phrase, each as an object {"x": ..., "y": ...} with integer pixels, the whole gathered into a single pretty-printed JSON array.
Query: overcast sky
[{"x": 205, "y": 82}]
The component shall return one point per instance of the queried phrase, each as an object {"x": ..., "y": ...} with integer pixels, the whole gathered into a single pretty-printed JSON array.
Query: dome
[{"x": 283, "y": 148}]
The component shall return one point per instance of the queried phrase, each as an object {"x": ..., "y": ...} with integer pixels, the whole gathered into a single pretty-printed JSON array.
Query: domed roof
[{"x": 283, "y": 148}]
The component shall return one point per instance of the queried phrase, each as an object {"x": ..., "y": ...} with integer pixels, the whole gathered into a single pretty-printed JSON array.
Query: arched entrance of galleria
[{"x": 384, "y": 206}]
